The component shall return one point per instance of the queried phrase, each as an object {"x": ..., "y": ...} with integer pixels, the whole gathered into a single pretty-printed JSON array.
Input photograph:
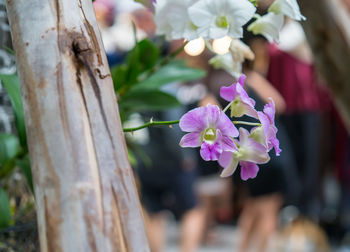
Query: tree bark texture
[
  {"x": 328, "y": 31},
  {"x": 84, "y": 186}
]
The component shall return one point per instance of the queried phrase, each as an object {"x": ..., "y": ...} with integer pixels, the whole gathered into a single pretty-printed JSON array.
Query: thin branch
[
  {"x": 151, "y": 123},
  {"x": 246, "y": 123}
]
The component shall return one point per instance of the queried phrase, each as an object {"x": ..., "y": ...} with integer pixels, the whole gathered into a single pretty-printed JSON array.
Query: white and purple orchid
[
  {"x": 240, "y": 103},
  {"x": 215, "y": 133},
  {"x": 266, "y": 133},
  {"x": 249, "y": 154},
  {"x": 209, "y": 128}
]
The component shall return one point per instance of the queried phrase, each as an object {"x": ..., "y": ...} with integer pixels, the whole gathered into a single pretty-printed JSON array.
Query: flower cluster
[
  {"x": 214, "y": 19},
  {"x": 211, "y": 129}
]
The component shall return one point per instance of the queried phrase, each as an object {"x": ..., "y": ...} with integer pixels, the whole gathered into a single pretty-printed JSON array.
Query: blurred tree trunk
[
  {"x": 328, "y": 31},
  {"x": 84, "y": 185}
]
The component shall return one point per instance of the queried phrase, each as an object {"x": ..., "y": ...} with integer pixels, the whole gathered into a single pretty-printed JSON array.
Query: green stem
[
  {"x": 151, "y": 123},
  {"x": 247, "y": 123},
  {"x": 227, "y": 107}
]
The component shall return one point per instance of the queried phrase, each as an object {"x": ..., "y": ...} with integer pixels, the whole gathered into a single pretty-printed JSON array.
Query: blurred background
[{"x": 299, "y": 201}]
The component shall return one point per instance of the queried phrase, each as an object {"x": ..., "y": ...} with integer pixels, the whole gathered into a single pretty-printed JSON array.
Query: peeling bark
[
  {"x": 327, "y": 30},
  {"x": 84, "y": 185}
]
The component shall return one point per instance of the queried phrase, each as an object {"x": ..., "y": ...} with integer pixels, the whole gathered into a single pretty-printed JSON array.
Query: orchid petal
[
  {"x": 248, "y": 170},
  {"x": 191, "y": 140},
  {"x": 212, "y": 114},
  {"x": 251, "y": 150},
  {"x": 268, "y": 25},
  {"x": 194, "y": 120},
  {"x": 227, "y": 161},
  {"x": 210, "y": 151},
  {"x": 289, "y": 8},
  {"x": 228, "y": 93},
  {"x": 226, "y": 126},
  {"x": 228, "y": 144},
  {"x": 241, "y": 79},
  {"x": 270, "y": 110}
]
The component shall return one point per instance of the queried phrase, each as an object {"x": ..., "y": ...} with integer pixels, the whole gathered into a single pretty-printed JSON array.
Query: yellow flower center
[
  {"x": 221, "y": 22},
  {"x": 210, "y": 135}
]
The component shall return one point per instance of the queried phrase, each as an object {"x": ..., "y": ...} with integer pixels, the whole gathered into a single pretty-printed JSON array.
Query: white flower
[
  {"x": 172, "y": 19},
  {"x": 218, "y": 18},
  {"x": 225, "y": 62},
  {"x": 268, "y": 25},
  {"x": 240, "y": 51},
  {"x": 232, "y": 61},
  {"x": 289, "y": 8}
]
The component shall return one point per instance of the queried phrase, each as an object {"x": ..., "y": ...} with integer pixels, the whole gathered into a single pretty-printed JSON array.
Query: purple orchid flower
[
  {"x": 249, "y": 154},
  {"x": 240, "y": 102},
  {"x": 266, "y": 133},
  {"x": 209, "y": 128}
]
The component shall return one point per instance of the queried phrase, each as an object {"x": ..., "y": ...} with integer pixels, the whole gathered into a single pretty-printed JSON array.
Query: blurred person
[{"x": 291, "y": 71}]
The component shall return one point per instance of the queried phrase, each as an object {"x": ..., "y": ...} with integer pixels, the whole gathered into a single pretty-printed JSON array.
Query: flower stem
[
  {"x": 226, "y": 108},
  {"x": 247, "y": 123},
  {"x": 151, "y": 123}
]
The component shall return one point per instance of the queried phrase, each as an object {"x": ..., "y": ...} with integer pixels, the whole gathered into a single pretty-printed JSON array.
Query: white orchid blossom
[
  {"x": 173, "y": 21},
  {"x": 218, "y": 18},
  {"x": 225, "y": 62},
  {"x": 232, "y": 61},
  {"x": 240, "y": 51},
  {"x": 289, "y": 8},
  {"x": 268, "y": 25}
]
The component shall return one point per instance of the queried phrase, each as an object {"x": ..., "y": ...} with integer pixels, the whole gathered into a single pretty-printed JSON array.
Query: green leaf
[
  {"x": 12, "y": 87},
  {"x": 140, "y": 100},
  {"x": 119, "y": 76},
  {"x": 9, "y": 147},
  {"x": 173, "y": 72},
  {"x": 7, "y": 168},
  {"x": 141, "y": 58},
  {"x": 5, "y": 210},
  {"x": 24, "y": 165},
  {"x": 145, "y": 55}
]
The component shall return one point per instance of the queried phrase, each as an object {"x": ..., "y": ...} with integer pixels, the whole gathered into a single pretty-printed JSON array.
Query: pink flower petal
[
  {"x": 270, "y": 110},
  {"x": 227, "y": 161},
  {"x": 228, "y": 93},
  {"x": 275, "y": 143},
  {"x": 191, "y": 140},
  {"x": 265, "y": 123},
  {"x": 251, "y": 150},
  {"x": 194, "y": 120},
  {"x": 212, "y": 114},
  {"x": 210, "y": 151},
  {"x": 244, "y": 96},
  {"x": 226, "y": 126},
  {"x": 242, "y": 79},
  {"x": 248, "y": 170},
  {"x": 228, "y": 144}
]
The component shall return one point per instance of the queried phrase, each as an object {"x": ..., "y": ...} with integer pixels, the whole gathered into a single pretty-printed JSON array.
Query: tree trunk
[
  {"x": 327, "y": 30},
  {"x": 84, "y": 185}
]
